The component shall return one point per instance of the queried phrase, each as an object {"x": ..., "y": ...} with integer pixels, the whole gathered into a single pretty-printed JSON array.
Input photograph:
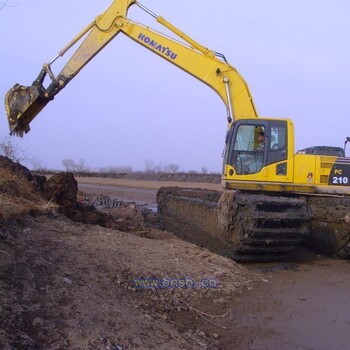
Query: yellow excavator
[{"x": 274, "y": 198}]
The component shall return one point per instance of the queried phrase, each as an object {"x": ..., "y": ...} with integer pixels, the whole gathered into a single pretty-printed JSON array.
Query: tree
[
  {"x": 171, "y": 168},
  {"x": 37, "y": 164},
  {"x": 149, "y": 166},
  {"x": 69, "y": 164},
  {"x": 81, "y": 165},
  {"x": 11, "y": 149}
]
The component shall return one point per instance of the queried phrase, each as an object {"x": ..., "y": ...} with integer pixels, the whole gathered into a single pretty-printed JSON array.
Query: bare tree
[
  {"x": 11, "y": 149},
  {"x": 171, "y": 168},
  {"x": 80, "y": 166},
  {"x": 149, "y": 166},
  {"x": 158, "y": 168},
  {"x": 37, "y": 164},
  {"x": 69, "y": 164}
]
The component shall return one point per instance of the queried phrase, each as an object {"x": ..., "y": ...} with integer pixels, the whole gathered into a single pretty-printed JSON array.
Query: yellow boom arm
[{"x": 24, "y": 103}]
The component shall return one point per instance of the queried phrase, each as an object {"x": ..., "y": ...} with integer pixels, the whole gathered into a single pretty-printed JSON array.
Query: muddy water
[
  {"x": 138, "y": 195},
  {"x": 304, "y": 306}
]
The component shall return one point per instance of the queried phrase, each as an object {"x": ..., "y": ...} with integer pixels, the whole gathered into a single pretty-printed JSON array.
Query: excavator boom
[{"x": 24, "y": 103}]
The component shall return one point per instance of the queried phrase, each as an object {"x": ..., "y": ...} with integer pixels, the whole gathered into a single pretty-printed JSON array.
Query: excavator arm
[{"x": 23, "y": 103}]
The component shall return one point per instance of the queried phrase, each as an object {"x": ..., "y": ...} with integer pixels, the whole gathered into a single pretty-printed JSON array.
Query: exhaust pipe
[{"x": 346, "y": 141}]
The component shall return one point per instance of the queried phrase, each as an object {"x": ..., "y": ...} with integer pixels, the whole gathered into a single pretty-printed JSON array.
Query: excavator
[{"x": 273, "y": 198}]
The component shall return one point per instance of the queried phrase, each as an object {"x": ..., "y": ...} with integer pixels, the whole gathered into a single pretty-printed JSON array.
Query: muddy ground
[
  {"x": 301, "y": 304},
  {"x": 71, "y": 285}
]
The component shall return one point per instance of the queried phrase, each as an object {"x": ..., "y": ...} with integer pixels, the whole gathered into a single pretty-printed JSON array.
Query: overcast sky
[{"x": 128, "y": 105}]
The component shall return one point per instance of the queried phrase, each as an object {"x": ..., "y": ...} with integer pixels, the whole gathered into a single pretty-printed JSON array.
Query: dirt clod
[{"x": 62, "y": 189}]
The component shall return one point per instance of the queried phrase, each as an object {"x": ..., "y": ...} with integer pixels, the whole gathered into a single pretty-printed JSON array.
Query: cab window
[
  {"x": 277, "y": 142},
  {"x": 248, "y": 149}
]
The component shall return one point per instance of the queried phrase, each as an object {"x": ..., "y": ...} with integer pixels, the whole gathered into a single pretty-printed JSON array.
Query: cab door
[{"x": 277, "y": 151}]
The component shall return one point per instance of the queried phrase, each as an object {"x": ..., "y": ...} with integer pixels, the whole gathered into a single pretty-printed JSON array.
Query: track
[
  {"x": 245, "y": 227},
  {"x": 266, "y": 227}
]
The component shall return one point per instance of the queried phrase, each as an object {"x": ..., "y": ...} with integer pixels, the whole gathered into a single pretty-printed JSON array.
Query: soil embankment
[{"x": 78, "y": 285}]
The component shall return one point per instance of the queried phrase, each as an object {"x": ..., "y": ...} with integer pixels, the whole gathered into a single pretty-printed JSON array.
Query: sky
[{"x": 128, "y": 106}]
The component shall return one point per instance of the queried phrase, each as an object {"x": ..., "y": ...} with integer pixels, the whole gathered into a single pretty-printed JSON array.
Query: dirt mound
[
  {"x": 61, "y": 189},
  {"x": 23, "y": 193},
  {"x": 18, "y": 195},
  {"x": 68, "y": 285},
  {"x": 16, "y": 169}
]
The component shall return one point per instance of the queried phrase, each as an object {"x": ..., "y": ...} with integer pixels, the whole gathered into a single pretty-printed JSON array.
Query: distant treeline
[{"x": 146, "y": 176}]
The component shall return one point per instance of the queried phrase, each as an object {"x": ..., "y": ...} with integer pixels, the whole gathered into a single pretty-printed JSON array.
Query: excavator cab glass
[
  {"x": 253, "y": 145},
  {"x": 277, "y": 142},
  {"x": 249, "y": 149}
]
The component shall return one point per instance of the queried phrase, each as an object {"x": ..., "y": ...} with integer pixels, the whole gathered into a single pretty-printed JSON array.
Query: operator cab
[{"x": 255, "y": 143}]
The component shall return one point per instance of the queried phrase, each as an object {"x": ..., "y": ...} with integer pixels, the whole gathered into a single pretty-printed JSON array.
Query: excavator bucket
[{"x": 22, "y": 104}]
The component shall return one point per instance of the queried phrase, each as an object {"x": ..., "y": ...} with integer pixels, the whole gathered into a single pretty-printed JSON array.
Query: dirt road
[{"x": 299, "y": 305}]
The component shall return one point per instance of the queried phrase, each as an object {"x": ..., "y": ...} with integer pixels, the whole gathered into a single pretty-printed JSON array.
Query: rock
[
  {"x": 201, "y": 333},
  {"x": 37, "y": 322},
  {"x": 67, "y": 280},
  {"x": 347, "y": 218}
]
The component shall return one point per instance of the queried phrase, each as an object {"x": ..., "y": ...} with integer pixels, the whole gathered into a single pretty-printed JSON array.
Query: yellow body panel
[
  {"x": 305, "y": 173},
  {"x": 304, "y": 169},
  {"x": 311, "y": 174},
  {"x": 313, "y": 169}
]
